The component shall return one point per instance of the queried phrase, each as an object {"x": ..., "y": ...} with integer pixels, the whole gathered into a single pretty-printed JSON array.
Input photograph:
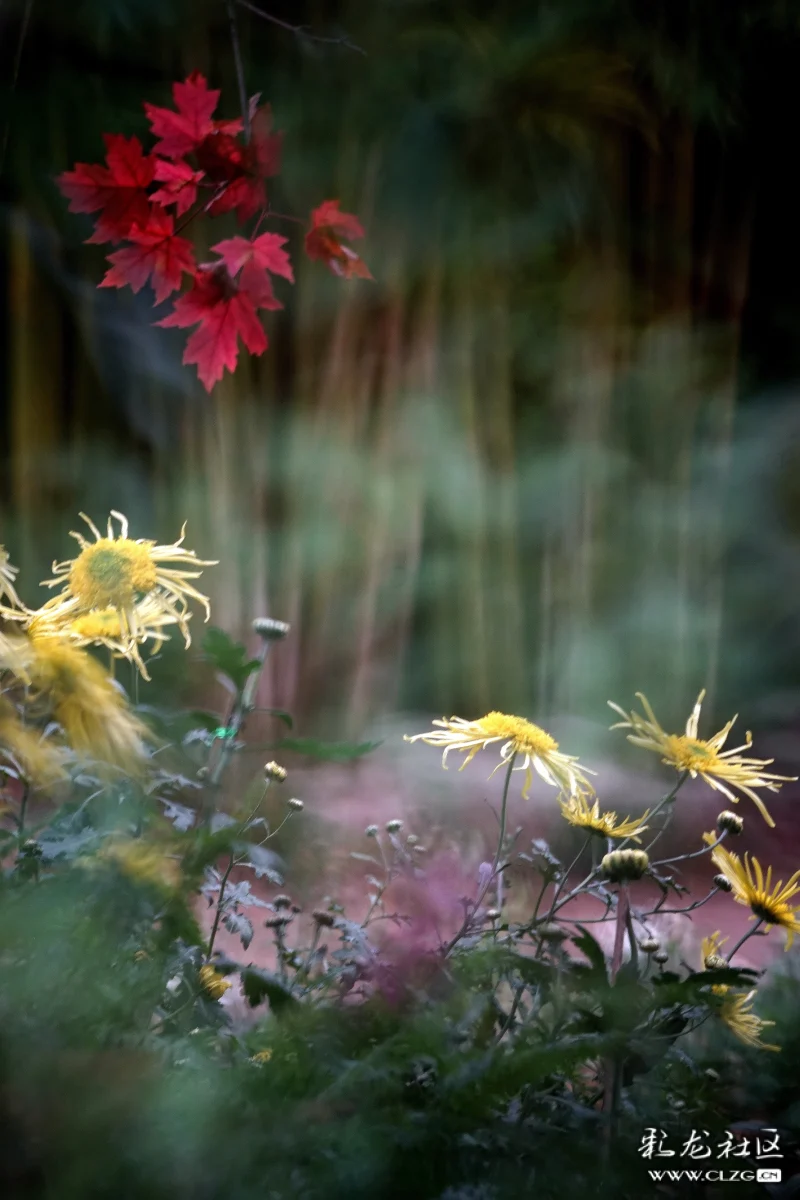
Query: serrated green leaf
[{"x": 593, "y": 951}]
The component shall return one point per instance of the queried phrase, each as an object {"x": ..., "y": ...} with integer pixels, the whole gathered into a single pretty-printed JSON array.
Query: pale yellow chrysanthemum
[
  {"x": 750, "y": 887},
  {"x": 736, "y": 1012},
  {"x": 104, "y": 627},
  {"x": 213, "y": 983},
  {"x": 577, "y": 811},
  {"x": 8, "y": 574},
  {"x": 118, "y": 572},
  {"x": 721, "y": 769},
  {"x": 535, "y": 749}
]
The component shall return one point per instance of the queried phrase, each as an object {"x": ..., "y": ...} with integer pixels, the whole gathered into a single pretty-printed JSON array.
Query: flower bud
[
  {"x": 493, "y": 914},
  {"x": 730, "y": 822},
  {"x": 274, "y": 772},
  {"x": 412, "y": 839},
  {"x": 295, "y": 804},
  {"x": 269, "y": 630},
  {"x": 714, "y": 962},
  {"x": 394, "y": 826},
  {"x": 323, "y": 918},
  {"x": 282, "y": 900},
  {"x": 279, "y": 921},
  {"x": 553, "y": 932},
  {"x": 661, "y": 957},
  {"x": 622, "y": 865},
  {"x": 723, "y": 883},
  {"x": 649, "y": 945},
  {"x": 371, "y": 831}
]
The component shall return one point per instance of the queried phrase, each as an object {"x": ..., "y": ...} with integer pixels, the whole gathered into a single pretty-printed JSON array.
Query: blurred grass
[{"x": 509, "y": 473}]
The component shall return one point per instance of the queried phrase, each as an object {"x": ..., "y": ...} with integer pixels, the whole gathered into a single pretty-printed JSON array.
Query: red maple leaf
[
  {"x": 324, "y": 240},
  {"x": 182, "y": 132},
  {"x": 265, "y": 253},
  {"x": 118, "y": 190},
  {"x": 224, "y": 311},
  {"x": 180, "y": 184},
  {"x": 157, "y": 255},
  {"x": 245, "y": 169}
]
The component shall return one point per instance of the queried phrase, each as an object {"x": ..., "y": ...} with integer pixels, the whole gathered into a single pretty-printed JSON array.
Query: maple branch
[
  {"x": 299, "y": 30},
  {"x": 237, "y": 58}
]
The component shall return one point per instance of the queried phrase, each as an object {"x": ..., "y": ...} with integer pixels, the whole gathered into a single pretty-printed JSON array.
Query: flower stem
[
  {"x": 750, "y": 932},
  {"x": 218, "y": 913},
  {"x": 495, "y": 863}
]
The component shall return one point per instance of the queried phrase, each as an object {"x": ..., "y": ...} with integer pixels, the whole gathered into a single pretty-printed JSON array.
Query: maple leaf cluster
[{"x": 202, "y": 166}]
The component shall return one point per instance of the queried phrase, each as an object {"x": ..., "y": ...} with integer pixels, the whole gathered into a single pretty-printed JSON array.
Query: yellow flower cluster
[
  {"x": 118, "y": 593},
  {"x": 525, "y": 746}
]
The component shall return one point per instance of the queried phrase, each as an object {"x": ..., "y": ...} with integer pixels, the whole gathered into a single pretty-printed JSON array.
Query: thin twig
[
  {"x": 300, "y": 30},
  {"x": 237, "y": 59},
  {"x": 743, "y": 939}
]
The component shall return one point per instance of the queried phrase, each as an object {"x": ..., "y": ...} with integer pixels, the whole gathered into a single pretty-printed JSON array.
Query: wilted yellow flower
[
  {"x": 119, "y": 572},
  {"x": 104, "y": 627},
  {"x": 736, "y": 1012},
  {"x": 263, "y": 1056},
  {"x": 533, "y": 746},
  {"x": 72, "y": 687},
  {"x": 721, "y": 769},
  {"x": 577, "y": 811},
  {"x": 711, "y": 951},
  {"x": 750, "y": 887},
  {"x": 8, "y": 574},
  {"x": 143, "y": 862},
  {"x": 213, "y": 983}
]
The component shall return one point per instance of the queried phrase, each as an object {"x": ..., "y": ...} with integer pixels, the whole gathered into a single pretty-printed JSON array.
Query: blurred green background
[{"x": 550, "y": 455}]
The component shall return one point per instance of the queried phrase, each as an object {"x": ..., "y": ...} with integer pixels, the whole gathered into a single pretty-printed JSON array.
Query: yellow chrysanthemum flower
[
  {"x": 213, "y": 983},
  {"x": 721, "y": 769},
  {"x": 736, "y": 1012},
  {"x": 711, "y": 950},
  {"x": 104, "y": 627},
  {"x": 66, "y": 683},
  {"x": 262, "y": 1057},
  {"x": 40, "y": 760},
  {"x": 8, "y": 574},
  {"x": 144, "y": 863},
  {"x": 750, "y": 887},
  {"x": 535, "y": 749},
  {"x": 577, "y": 811},
  {"x": 118, "y": 572}
]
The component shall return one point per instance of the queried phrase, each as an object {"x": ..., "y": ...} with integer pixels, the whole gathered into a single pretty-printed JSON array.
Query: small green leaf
[
  {"x": 327, "y": 751},
  {"x": 228, "y": 657}
]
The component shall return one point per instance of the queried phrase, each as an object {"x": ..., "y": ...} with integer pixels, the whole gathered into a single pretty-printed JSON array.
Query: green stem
[
  {"x": 218, "y": 913},
  {"x": 495, "y": 862}
]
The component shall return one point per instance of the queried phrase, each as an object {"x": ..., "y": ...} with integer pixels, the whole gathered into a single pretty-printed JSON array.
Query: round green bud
[
  {"x": 622, "y": 865},
  {"x": 723, "y": 883},
  {"x": 730, "y": 822}
]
